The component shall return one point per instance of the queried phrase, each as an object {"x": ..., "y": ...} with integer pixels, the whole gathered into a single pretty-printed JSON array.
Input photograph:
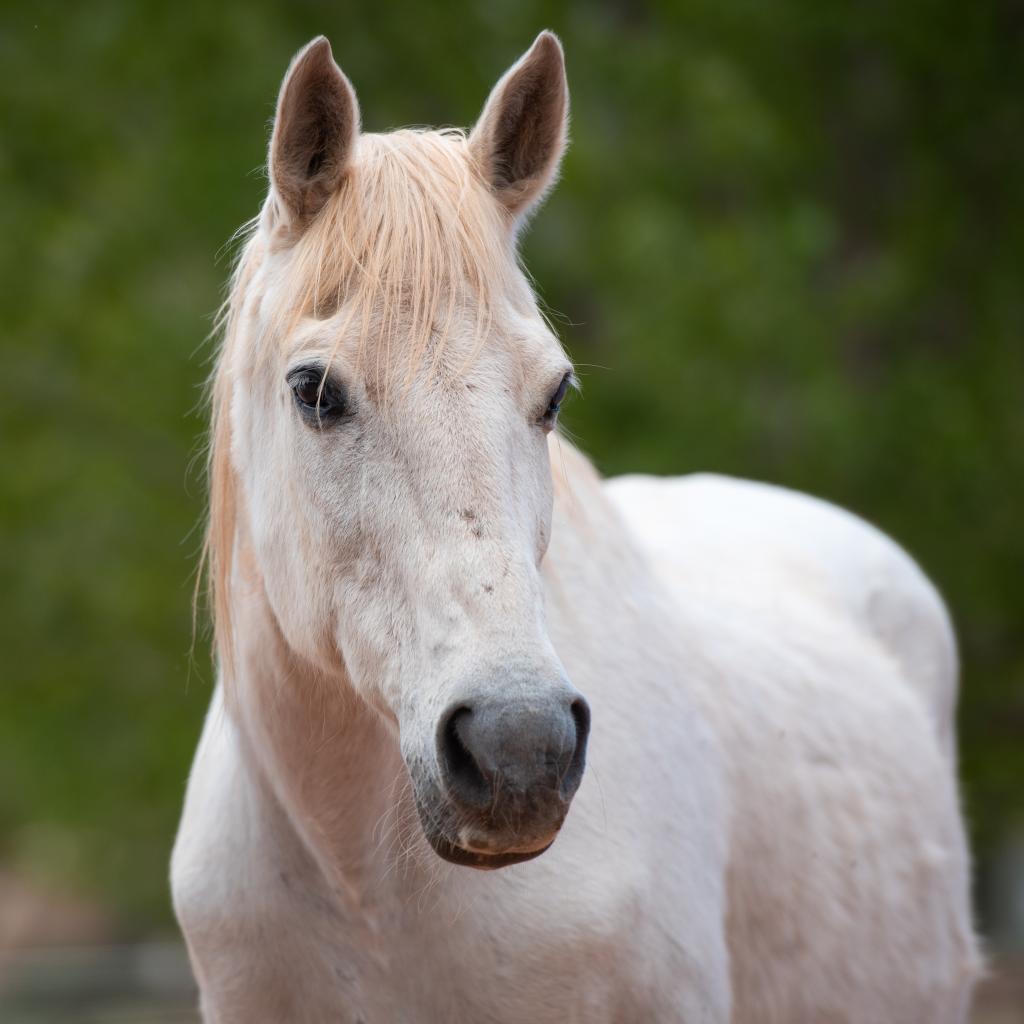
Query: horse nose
[{"x": 528, "y": 752}]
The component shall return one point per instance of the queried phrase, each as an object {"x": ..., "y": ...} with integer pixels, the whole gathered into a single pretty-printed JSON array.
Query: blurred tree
[{"x": 787, "y": 245}]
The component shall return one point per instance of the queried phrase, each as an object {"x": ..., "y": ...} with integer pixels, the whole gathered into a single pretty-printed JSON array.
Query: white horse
[{"x": 410, "y": 566}]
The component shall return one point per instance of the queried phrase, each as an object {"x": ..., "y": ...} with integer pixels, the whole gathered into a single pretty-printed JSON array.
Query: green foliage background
[{"x": 788, "y": 244}]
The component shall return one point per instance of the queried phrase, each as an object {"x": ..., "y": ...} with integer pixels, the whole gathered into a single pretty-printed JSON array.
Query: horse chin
[
  {"x": 454, "y": 854},
  {"x": 477, "y": 846}
]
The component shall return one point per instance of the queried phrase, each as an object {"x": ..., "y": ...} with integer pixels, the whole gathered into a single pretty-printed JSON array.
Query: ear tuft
[
  {"x": 315, "y": 128},
  {"x": 520, "y": 137}
]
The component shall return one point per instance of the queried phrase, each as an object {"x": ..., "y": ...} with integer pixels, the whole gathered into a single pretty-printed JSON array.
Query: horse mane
[{"x": 410, "y": 237}]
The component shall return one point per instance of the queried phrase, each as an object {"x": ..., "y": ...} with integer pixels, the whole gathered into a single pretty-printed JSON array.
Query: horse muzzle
[{"x": 509, "y": 765}]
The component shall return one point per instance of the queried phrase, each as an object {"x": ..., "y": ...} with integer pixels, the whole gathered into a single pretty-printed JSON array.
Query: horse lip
[
  {"x": 433, "y": 817},
  {"x": 455, "y": 854}
]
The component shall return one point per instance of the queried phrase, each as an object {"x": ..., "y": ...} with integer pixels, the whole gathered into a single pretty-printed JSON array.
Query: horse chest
[{"x": 441, "y": 961}]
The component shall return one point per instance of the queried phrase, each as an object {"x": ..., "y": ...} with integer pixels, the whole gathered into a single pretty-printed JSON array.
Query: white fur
[
  {"x": 802, "y": 856},
  {"x": 767, "y": 831},
  {"x": 789, "y": 542}
]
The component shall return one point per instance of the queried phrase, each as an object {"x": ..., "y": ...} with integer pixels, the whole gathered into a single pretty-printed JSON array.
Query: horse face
[{"x": 393, "y": 447}]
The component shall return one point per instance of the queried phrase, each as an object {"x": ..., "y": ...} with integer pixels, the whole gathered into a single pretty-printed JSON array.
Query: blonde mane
[{"x": 412, "y": 235}]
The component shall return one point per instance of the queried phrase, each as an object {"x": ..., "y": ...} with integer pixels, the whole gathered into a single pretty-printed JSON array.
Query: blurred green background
[{"x": 788, "y": 244}]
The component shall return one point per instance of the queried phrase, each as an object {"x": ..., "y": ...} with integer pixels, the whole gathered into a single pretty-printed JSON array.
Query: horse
[{"x": 494, "y": 739}]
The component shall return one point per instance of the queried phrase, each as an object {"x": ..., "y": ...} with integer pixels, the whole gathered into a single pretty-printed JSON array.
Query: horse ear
[
  {"x": 520, "y": 137},
  {"x": 315, "y": 128}
]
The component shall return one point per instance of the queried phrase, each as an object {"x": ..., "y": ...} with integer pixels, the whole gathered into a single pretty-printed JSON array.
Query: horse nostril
[
  {"x": 580, "y": 711},
  {"x": 581, "y": 716},
  {"x": 527, "y": 751},
  {"x": 461, "y": 767}
]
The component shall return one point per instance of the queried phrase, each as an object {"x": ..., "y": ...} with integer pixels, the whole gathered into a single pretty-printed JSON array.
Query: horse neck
[{"x": 331, "y": 761}]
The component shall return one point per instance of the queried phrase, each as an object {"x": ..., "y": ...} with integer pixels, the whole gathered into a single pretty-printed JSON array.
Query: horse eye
[
  {"x": 551, "y": 413},
  {"x": 307, "y": 391},
  {"x": 317, "y": 398}
]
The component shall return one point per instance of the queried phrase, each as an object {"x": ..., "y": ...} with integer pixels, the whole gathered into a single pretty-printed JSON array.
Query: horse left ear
[
  {"x": 520, "y": 137},
  {"x": 315, "y": 129}
]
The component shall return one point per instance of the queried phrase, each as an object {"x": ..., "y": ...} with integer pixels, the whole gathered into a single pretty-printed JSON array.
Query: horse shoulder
[
  {"x": 848, "y": 859},
  {"x": 827, "y": 666},
  {"x": 758, "y": 541}
]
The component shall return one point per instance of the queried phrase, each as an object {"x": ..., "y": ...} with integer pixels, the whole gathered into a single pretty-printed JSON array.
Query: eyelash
[{"x": 555, "y": 403}]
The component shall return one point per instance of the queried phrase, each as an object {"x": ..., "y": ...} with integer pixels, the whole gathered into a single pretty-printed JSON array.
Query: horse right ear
[
  {"x": 520, "y": 137},
  {"x": 315, "y": 129}
]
